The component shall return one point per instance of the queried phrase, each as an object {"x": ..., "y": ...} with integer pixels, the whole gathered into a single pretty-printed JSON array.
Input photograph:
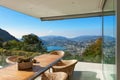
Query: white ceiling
[{"x": 54, "y": 8}]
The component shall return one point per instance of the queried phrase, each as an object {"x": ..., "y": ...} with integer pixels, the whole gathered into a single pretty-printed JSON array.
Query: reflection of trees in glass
[
  {"x": 93, "y": 53},
  {"x": 113, "y": 76}
]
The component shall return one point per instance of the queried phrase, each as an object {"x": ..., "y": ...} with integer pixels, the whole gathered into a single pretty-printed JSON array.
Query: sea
[{"x": 52, "y": 48}]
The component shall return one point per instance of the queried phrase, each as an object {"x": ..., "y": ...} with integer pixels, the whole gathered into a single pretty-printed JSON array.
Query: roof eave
[{"x": 86, "y": 15}]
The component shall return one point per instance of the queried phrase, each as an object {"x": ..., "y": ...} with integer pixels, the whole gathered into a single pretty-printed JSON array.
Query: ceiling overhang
[
  {"x": 60, "y": 9},
  {"x": 96, "y": 14}
]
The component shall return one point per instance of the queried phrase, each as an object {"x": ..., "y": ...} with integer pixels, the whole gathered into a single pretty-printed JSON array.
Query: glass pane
[
  {"x": 109, "y": 47},
  {"x": 2, "y": 59},
  {"x": 109, "y": 44}
]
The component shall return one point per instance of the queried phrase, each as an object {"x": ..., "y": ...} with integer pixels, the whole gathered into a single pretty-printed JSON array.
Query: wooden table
[{"x": 44, "y": 62}]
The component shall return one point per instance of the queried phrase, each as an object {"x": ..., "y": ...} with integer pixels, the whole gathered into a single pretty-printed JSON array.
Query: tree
[
  {"x": 11, "y": 44},
  {"x": 30, "y": 39},
  {"x": 6, "y": 45},
  {"x": 33, "y": 43}
]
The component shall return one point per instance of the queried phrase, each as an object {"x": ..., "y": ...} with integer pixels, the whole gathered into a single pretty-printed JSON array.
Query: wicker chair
[
  {"x": 66, "y": 66},
  {"x": 57, "y": 53},
  {"x": 11, "y": 59},
  {"x": 54, "y": 76}
]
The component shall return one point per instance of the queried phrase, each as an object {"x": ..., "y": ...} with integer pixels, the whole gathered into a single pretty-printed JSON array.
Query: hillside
[
  {"x": 73, "y": 45},
  {"x": 5, "y": 36}
]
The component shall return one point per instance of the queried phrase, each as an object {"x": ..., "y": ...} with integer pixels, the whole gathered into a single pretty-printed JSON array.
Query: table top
[{"x": 44, "y": 62}]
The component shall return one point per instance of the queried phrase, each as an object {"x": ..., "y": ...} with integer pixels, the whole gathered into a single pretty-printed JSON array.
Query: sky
[{"x": 18, "y": 24}]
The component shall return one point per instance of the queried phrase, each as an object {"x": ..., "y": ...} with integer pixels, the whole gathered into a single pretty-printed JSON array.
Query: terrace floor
[{"x": 86, "y": 71}]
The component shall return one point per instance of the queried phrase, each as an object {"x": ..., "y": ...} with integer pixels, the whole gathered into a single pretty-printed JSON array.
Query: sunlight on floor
[{"x": 86, "y": 71}]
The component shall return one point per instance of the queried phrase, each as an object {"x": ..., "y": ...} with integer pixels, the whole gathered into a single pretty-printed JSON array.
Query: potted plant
[{"x": 25, "y": 63}]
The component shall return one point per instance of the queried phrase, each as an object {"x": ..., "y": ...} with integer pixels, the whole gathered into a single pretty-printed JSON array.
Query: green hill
[{"x": 5, "y": 36}]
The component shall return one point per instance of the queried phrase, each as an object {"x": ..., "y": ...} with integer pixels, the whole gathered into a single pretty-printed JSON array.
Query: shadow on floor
[{"x": 84, "y": 75}]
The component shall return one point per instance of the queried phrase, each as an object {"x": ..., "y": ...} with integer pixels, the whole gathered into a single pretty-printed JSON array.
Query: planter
[{"x": 25, "y": 65}]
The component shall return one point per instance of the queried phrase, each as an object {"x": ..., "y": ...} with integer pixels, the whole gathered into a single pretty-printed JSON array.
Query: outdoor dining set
[{"x": 49, "y": 66}]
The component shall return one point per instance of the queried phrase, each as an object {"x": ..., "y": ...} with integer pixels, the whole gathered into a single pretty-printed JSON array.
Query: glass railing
[{"x": 2, "y": 60}]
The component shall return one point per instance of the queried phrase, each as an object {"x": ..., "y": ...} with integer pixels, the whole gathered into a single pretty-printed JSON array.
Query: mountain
[
  {"x": 76, "y": 41},
  {"x": 60, "y": 40},
  {"x": 5, "y": 36},
  {"x": 109, "y": 39},
  {"x": 47, "y": 38},
  {"x": 56, "y": 40},
  {"x": 79, "y": 38},
  {"x": 85, "y": 38}
]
